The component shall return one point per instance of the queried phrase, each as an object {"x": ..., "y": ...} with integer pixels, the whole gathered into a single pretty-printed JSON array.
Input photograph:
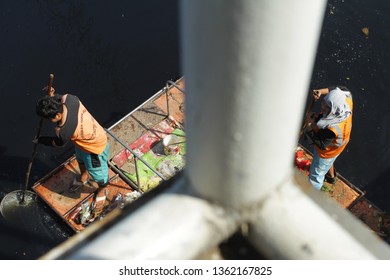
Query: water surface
[{"x": 115, "y": 54}]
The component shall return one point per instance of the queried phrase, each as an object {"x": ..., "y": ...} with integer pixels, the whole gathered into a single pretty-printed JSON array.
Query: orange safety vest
[
  {"x": 89, "y": 135},
  {"x": 343, "y": 133}
]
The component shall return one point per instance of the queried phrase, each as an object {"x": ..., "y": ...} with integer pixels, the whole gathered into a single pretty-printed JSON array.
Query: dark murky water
[
  {"x": 348, "y": 57},
  {"x": 114, "y": 55}
]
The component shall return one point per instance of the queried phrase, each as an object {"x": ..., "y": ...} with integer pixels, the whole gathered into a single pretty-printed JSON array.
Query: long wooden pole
[
  {"x": 308, "y": 110},
  {"x": 34, "y": 152}
]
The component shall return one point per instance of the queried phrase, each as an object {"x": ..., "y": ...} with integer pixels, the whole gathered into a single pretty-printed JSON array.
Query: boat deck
[
  {"x": 135, "y": 141},
  {"x": 348, "y": 196}
]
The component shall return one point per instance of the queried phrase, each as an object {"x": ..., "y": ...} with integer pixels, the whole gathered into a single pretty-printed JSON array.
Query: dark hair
[
  {"x": 343, "y": 88},
  {"x": 49, "y": 106}
]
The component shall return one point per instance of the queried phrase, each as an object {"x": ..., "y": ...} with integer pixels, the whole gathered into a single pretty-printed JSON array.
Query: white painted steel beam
[
  {"x": 247, "y": 65},
  {"x": 299, "y": 222}
]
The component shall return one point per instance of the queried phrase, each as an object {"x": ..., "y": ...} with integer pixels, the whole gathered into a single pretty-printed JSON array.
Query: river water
[
  {"x": 114, "y": 55},
  {"x": 346, "y": 56}
]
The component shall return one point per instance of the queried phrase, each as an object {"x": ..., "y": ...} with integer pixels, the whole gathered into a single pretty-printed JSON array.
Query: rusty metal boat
[
  {"x": 143, "y": 156},
  {"x": 147, "y": 147}
]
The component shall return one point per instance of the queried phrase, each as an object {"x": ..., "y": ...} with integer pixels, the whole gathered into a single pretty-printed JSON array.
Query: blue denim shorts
[
  {"x": 319, "y": 167},
  {"x": 96, "y": 165}
]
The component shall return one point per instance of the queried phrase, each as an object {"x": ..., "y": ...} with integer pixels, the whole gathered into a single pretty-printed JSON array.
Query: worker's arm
[{"x": 318, "y": 92}]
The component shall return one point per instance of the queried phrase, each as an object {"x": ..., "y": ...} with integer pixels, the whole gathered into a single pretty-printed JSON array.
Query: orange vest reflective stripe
[
  {"x": 89, "y": 135},
  {"x": 343, "y": 133}
]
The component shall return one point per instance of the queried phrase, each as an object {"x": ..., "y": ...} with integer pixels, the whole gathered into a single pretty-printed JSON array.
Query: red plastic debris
[{"x": 300, "y": 162}]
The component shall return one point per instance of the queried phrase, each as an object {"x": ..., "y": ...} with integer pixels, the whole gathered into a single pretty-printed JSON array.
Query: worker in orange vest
[{"x": 329, "y": 132}]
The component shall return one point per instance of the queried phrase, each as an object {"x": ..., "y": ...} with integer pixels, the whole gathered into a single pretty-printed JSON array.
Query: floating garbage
[{"x": 366, "y": 31}]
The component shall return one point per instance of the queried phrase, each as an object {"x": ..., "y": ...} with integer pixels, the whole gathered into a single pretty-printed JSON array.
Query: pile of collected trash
[{"x": 84, "y": 213}]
